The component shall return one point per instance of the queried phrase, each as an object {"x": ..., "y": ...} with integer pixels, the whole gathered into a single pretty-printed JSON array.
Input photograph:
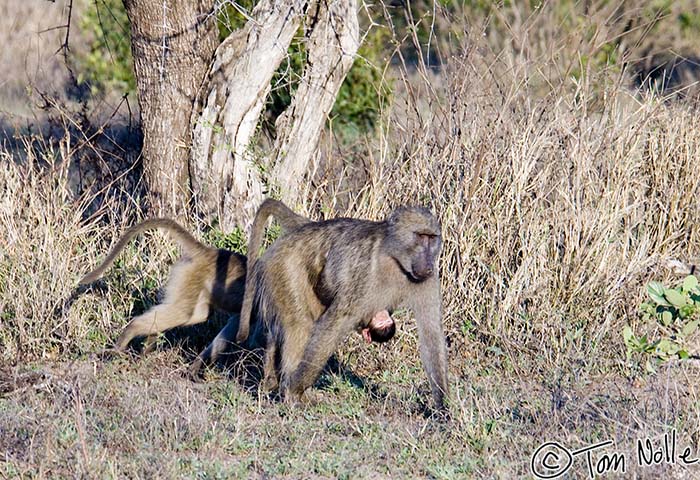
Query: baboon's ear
[
  {"x": 391, "y": 219},
  {"x": 395, "y": 215}
]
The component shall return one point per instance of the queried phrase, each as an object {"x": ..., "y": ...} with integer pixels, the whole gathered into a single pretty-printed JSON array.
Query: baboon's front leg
[{"x": 217, "y": 346}]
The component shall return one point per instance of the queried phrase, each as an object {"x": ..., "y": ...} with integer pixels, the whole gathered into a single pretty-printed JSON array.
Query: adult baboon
[
  {"x": 380, "y": 328},
  {"x": 324, "y": 279},
  {"x": 204, "y": 277}
]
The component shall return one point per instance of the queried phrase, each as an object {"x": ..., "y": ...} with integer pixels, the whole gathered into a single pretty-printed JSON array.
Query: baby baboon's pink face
[{"x": 380, "y": 329}]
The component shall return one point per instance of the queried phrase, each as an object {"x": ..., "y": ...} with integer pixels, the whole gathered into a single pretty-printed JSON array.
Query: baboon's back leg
[
  {"x": 157, "y": 319},
  {"x": 163, "y": 317},
  {"x": 298, "y": 323},
  {"x": 200, "y": 312},
  {"x": 295, "y": 338}
]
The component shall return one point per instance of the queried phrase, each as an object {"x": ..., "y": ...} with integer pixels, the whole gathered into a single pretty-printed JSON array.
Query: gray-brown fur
[
  {"x": 205, "y": 277},
  {"x": 288, "y": 220},
  {"x": 322, "y": 280},
  {"x": 239, "y": 328},
  {"x": 377, "y": 331}
]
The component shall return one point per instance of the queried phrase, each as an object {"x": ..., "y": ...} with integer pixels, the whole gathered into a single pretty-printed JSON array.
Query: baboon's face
[
  {"x": 381, "y": 328},
  {"x": 414, "y": 241}
]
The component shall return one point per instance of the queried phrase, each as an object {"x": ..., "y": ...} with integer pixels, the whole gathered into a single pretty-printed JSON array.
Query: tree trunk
[
  {"x": 334, "y": 37},
  {"x": 172, "y": 44},
  {"x": 194, "y": 94},
  {"x": 226, "y": 181}
]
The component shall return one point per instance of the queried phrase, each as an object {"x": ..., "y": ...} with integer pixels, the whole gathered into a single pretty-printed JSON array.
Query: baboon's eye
[{"x": 423, "y": 238}]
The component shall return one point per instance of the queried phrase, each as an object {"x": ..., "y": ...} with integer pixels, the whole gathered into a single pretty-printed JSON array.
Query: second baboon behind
[{"x": 204, "y": 277}]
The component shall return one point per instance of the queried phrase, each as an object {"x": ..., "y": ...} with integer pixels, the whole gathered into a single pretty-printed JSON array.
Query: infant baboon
[
  {"x": 204, "y": 277},
  {"x": 380, "y": 328},
  {"x": 324, "y": 279}
]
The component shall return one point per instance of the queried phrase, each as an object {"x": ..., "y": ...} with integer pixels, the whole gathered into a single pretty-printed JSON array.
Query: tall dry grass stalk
[{"x": 50, "y": 237}]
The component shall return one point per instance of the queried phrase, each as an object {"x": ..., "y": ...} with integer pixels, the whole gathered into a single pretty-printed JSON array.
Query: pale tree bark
[
  {"x": 172, "y": 44},
  {"x": 226, "y": 181},
  {"x": 333, "y": 42},
  {"x": 226, "y": 178},
  {"x": 193, "y": 94}
]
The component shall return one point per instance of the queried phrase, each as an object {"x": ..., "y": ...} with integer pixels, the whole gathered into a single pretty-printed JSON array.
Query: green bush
[
  {"x": 675, "y": 313},
  {"x": 358, "y": 104},
  {"x": 108, "y": 64},
  {"x": 235, "y": 240}
]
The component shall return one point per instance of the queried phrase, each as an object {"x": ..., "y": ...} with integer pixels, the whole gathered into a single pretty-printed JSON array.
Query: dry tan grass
[{"x": 31, "y": 35}]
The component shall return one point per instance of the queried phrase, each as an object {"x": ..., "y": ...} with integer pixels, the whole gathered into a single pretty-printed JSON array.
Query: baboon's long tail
[
  {"x": 288, "y": 220},
  {"x": 282, "y": 213},
  {"x": 188, "y": 242}
]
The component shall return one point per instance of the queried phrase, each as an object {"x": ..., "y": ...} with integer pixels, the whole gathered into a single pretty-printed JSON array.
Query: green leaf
[
  {"x": 664, "y": 346},
  {"x": 650, "y": 368},
  {"x": 683, "y": 355},
  {"x": 689, "y": 283},
  {"x": 656, "y": 292},
  {"x": 690, "y": 328},
  {"x": 675, "y": 297},
  {"x": 666, "y": 318},
  {"x": 686, "y": 310},
  {"x": 627, "y": 334}
]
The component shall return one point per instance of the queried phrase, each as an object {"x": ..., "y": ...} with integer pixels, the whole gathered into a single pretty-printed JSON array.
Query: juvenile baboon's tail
[
  {"x": 288, "y": 220},
  {"x": 189, "y": 244}
]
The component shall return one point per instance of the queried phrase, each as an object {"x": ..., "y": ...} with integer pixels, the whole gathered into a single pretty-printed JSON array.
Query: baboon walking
[
  {"x": 322, "y": 280},
  {"x": 380, "y": 328},
  {"x": 204, "y": 277}
]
